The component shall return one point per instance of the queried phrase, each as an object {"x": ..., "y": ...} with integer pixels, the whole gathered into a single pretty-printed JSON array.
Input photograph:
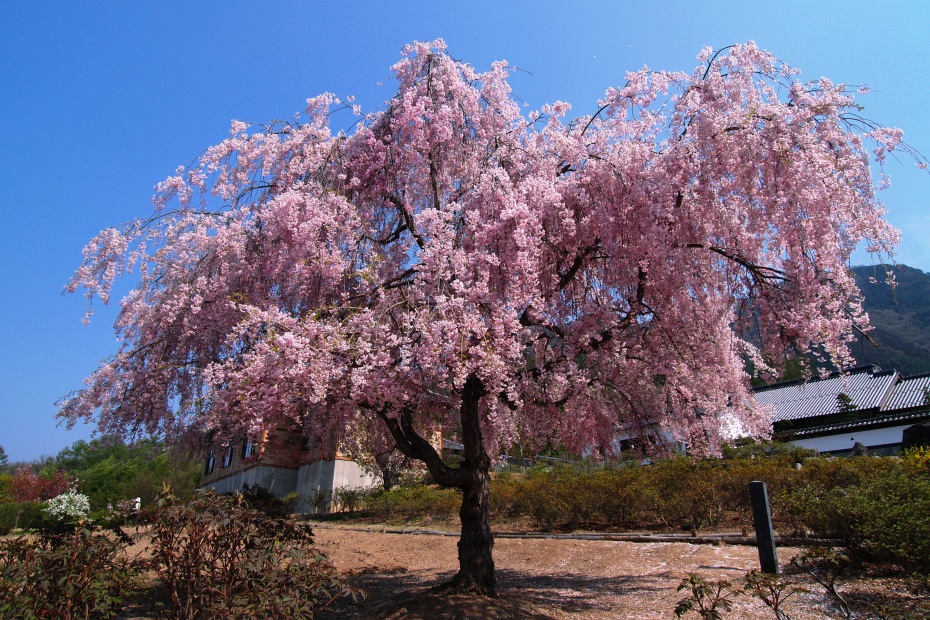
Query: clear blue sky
[{"x": 101, "y": 100}]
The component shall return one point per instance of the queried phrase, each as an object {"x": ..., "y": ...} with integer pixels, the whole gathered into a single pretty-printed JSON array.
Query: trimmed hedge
[
  {"x": 878, "y": 507},
  {"x": 429, "y": 502}
]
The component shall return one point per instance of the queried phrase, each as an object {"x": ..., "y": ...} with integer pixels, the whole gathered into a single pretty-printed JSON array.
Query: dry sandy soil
[
  {"x": 560, "y": 579},
  {"x": 542, "y": 579}
]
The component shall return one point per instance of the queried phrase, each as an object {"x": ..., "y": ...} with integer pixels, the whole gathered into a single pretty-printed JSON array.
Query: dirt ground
[
  {"x": 564, "y": 579},
  {"x": 540, "y": 579}
]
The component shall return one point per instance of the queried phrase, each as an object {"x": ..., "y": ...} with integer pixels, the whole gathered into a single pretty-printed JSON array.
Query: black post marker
[{"x": 765, "y": 535}]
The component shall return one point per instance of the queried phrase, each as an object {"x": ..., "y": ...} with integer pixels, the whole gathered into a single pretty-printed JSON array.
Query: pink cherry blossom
[{"x": 453, "y": 264}]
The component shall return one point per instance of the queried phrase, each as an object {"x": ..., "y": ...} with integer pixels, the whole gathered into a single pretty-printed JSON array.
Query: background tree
[
  {"x": 455, "y": 264},
  {"x": 28, "y": 486},
  {"x": 3, "y": 459},
  {"x": 109, "y": 470}
]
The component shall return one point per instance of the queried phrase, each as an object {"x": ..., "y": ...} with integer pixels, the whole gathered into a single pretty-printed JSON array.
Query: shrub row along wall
[{"x": 877, "y": 506}]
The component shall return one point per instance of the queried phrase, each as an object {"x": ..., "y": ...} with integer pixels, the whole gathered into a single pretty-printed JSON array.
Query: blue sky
[{"x": 101, "y": 100}]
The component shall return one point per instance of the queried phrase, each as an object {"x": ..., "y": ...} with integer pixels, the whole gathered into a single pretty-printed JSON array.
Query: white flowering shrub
[{"x": 70, "y": 506}]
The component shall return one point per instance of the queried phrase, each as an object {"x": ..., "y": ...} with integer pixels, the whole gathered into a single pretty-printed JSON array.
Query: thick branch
[
  {"x": 636, "y": 306},
  {"x": 393, "y": 236},
  {"x": 412, "y": 445},
  {"x": 530, "y": 318},
  {"x": 476, "y": 457}
]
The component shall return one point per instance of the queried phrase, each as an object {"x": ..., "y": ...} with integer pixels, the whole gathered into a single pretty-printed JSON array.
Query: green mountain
[{"x": 901, "y": 318}]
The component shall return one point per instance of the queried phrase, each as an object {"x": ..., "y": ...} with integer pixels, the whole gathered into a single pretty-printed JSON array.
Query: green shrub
[
  {"x": 349, "y": 500},
  {"x": 686, "y": 493},
  {"x": 582, "y": 494},
  {"x": 22, "y": 515},
  {"x": 890, "y": 518},
  {"x": 539, "y": 497},
  {"x": 778, "y": 473},
  {"x": 81, "y": 574},
  {"x": 627, "y": 499},
  {"x": 503, "y": 495},
  {"x": 917, "y": 459},
  {"x": 415, "y": 502},
  {"x": 261, "y": 499}
]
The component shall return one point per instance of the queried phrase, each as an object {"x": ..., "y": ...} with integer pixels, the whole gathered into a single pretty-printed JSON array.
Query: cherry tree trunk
[
  {"x": 473, "y": 477},
  {"x": 476, "y": 566}
]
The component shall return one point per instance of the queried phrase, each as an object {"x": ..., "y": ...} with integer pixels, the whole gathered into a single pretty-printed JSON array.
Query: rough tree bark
[
  {"x": 473, "y": 477},
  {"x": 476, "y": 566}
]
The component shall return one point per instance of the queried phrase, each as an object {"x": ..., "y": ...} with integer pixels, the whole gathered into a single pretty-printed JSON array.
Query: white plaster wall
[
  {"x": 324, "y": 476},
  {"x": 868, "y": 438},
  {"x": 278, "y": 480}
]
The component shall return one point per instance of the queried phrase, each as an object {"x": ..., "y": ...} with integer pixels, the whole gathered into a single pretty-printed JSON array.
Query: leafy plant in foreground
[
  {"x": 217, "y": 558},
  {"x": 773, "y": 590},
  {"x": 708, "y": 598},
  {"x": 81, "y": 574}
]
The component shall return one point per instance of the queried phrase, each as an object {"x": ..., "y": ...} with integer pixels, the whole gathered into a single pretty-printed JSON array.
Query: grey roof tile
[
  {"x": 867, "y": 387},
  {"x": 909, "y": 392}
]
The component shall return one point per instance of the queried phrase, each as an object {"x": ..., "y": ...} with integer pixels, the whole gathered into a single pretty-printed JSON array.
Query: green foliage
[
  {"x": 708, "y": 598},
  {"x": 917, "y": 459},
  {"x": 217, "y": 558},
  {"x": 261, "y": 499},
  {"x": 566, "y": 497},
  {"x": 22, "y": 515},
  {"x": 78, "y": 575},
  {"x": 845, "y": 403},
  {"x": 542, "y": 497},
  {"x": 901, "y": 318},
  {"x": 109, "y": 471},
  {"x": 688, "y": 493},
  {"x": 348, "y": 500},
  {"x": 879, "y": 508},
  {"x": 419, "y": 502},
  {"x": 890, "y": 516},
  {"x": 3, "y": 458}
]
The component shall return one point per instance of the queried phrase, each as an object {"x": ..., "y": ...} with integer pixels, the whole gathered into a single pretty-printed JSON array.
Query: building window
[
  {"x": 227, "y": 457},
  {"x": 211, "y": 464},
  {"x": 247, "y": 448}
]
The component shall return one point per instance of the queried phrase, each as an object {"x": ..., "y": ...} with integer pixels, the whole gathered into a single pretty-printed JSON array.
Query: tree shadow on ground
[{"x": 398, "y": 593}]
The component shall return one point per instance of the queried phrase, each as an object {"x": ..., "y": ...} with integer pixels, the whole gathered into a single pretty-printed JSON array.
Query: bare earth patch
[
  {"x": 541, "y": 579},
  {"x": 559, "y": 579}
]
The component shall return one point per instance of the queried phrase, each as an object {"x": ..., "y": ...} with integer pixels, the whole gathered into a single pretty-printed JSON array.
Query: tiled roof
[
  {"x": 795, "y": 400},
  {"x": 908, "y": 417},
  {"x": 909, "y": 392}
]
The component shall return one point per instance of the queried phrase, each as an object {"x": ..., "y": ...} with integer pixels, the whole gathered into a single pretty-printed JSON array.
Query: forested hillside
[{"x": 901, "y": 319}]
